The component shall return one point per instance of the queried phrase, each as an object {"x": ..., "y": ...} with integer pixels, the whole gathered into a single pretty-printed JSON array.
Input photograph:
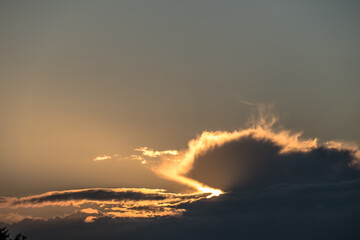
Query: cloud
[
  {"x": 149, "y": 156},
  {"x": 151, "y": 153},
  {"x": 114, "y": 202},
  {"x": 278, "y": 185},
  {"x": 219, "y": 159},
  {"x": 90, "y": 219},
  {"x": 281, "y": 211},
  {"x": 102, "y": 158},
  {"x": 89, "y": 210},
  {"x": 249, "y": 163},
  {"x": 15, "y": 217}
]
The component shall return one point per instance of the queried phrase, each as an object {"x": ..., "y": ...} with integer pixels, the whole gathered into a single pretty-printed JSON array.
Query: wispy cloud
[
  {"x": 102, "y": 158},
  {"x": 152, "y": 153},
  {"x": 15, "y": 217},
  {"x": 150, "y": 156}
]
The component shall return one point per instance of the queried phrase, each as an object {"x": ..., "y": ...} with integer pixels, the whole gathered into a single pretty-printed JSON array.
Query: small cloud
[
  {"x": 249, "y": 103},
  {"x": 102, "y": 158},
  {"x": 151, "y": 153},
  {"x": 149, "y": 156},
  {"x": 90, "y": 210},
  {"x": 136, "y": 157},
  {"x": 90, "y": 219}
]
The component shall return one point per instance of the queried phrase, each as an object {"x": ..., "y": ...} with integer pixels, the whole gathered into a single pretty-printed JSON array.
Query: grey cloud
[
  {"x": 270, "y": 195},
  {"x": 89, "y": 194},
  {"x": 248, "y": 163}
]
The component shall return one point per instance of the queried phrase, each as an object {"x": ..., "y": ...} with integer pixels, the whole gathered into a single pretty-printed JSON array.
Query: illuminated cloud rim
[
  {"x": 173, "y": 165},
  {"x": 109, "y": 202},
  {"x": 179, "y": 166}
]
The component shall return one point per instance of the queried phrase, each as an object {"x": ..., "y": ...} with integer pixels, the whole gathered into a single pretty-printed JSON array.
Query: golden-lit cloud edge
[
  {"x": 177, "y": 166},
  {"x": 173, "y": 165},
  {"x": 103, "y": 202}
]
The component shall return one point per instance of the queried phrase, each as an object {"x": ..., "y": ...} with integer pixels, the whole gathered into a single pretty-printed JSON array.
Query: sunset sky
[{"x": 166, "y": 113}]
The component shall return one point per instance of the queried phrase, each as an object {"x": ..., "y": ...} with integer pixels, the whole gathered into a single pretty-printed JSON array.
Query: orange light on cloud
[
  {"x": 102, "y": 158},
  {"x": 174, "y": 165},
  {"x": 104, "y": 202},
  {"x": 151, "y": 153},
  {"x": 262, "y": 129}
]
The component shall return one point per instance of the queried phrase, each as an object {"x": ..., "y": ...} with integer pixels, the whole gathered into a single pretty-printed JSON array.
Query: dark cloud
[
  {"x": 90, "y": 194},
  {"x": 276, "y": 195},
  {"x": 270, "y": 195},
  {"x": 248, "y": 163},
  {"x": 116, "y": 195},
  {"x": 96, "y": 203}
]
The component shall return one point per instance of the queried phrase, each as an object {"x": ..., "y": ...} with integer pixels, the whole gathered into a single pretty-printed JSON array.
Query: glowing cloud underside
[{"x": 101, "y": 202}]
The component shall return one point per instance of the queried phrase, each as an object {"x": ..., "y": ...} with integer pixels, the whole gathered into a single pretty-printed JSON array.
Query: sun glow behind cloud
[
  {"x": 174, "y": 165},
  {"x": 103, "y": 202},
  {"x": 261, "y": 127}
]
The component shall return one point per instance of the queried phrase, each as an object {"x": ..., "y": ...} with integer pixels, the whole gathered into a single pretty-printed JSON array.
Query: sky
[{"x": 167, "y": 114}]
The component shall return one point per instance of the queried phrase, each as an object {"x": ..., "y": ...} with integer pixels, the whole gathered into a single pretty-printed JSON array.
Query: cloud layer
[
  {"x": 260, "y": 153},
  {"x": 277, "y": 185},
  {"x": 118, "y": 202}
]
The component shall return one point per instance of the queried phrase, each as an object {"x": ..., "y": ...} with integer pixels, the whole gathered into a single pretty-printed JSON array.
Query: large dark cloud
[
  {"x": 248, "y": 164},
  {"x": 283, "y": 211},
  {"x": 275, "y": 195},
  {"x": 270, "y": 195}
]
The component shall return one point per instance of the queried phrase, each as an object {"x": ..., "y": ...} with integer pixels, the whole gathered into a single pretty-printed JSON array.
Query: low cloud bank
[
  {"x": 277, "y": 185},
  {"x": 118, "y": 202}
]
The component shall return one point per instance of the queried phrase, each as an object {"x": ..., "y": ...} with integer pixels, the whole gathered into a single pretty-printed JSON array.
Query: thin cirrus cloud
[
  {"x": 16, "y": 217},
  {"x": 151, "y": 153},
  {"x": 150, "y": 156},
  {"x": 147, "y": 155}
]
